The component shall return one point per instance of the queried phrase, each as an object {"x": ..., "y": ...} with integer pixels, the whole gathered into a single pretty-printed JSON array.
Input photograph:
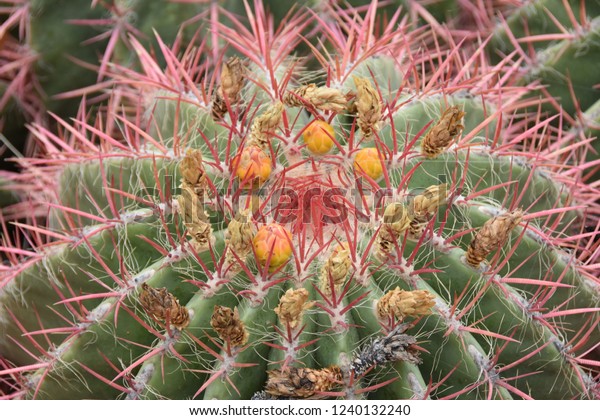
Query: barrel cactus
[{"x": 237, "y": 227}]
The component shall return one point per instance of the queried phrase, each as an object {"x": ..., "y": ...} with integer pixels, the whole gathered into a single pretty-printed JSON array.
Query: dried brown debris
[
  {"x": 424, "y": 206},
  {"x": 228, "y": 325},
  {"x": 492, "y": 235},
  {"x": 391, "y": 348},
  {"x": 396, "y": 220},
  {"x": 232, "y": 82},
  {"x": 443, "y": 133},
  {"x": 264, "y": 126},
  {"x": 195, "y": 219},
  {"x": 240, "y": 232},
  {"x": 191, "y": 199},
  {"x": 163, "y": 306},
  {"x": 303, "y": 382}
]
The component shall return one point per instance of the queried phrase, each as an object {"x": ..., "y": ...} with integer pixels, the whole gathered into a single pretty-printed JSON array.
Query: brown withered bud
[
  {"x": 400, "y": 304},
  {"x": 430, "y": 200},
  {"x": 232, "y": 82},
  {"x": 264, "y": 125},
  {"x": 336, "y": 269},
  {"x": 201, "y": 233},
  {"x": 240, "y": 232},
  {"x": 396, "y": 220},
  {"x": 195, "y": 219},
  {"x": 368, "y": 106},
  {"x": 425, "y": 205},
  {"x": 232, "y": 78},
  {"x": 492, "y": 235},
  {"x": 292, "y": 306},
  {"x": 351, "y": 107},
  {"x": 303, "y": 382},
  {"x": 163, "y": 306},
  {"x": 192, "y": 171},
  {"x": 228, "y": 325},
  {"x": 219, "y": 107},
  {"x": 443, "y": 133},
  {"x": 323, "y": 98}
]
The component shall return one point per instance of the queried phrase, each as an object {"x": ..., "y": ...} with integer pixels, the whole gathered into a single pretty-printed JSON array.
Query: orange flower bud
[
  {"x": 272, "y": 243},
  {"x": 252, "y": 164}
]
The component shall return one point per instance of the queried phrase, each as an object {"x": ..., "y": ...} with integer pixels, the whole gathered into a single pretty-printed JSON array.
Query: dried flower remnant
[
  {"x": 264, "y": 126},
  {"x": 424, "y": 206},
  {"x": 368, "y": 106},
  {"x": 195, "y": 219},
  {"x": 322, "y": 98},
  {"x": 492, "y": 235},
  {"x": 228, "y": 325},
  {"x": 400, "y": 304},
  {"x": 232, "y": 82},
  {"x": 163, "y": 306},
  {"x": 191, "y": 200},
  {"x": 443, "y": 133},
  {"x": 396, "y": 220},
  {"x": 336, "y": 269},
  {"x": 303, "y": 382},
  {"x": 292, "y": 306},
  {"x": 192, "y": 171},
  {"x": 240, "y": 232}
]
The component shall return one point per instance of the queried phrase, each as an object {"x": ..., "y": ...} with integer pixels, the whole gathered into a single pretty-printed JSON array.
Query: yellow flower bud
[
  {"x": 318, "y": 137},
  {"x": 367, "y": 162}
]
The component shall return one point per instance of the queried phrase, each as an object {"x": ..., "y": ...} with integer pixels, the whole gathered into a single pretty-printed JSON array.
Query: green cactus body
[
  {"x": 61, "y": 31},
  {"x": 558, "y": 42},
  {"x": 348, "y": 290},
  {"x": 542, "y": 18},
  {"x": 555, "y": 45}
]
